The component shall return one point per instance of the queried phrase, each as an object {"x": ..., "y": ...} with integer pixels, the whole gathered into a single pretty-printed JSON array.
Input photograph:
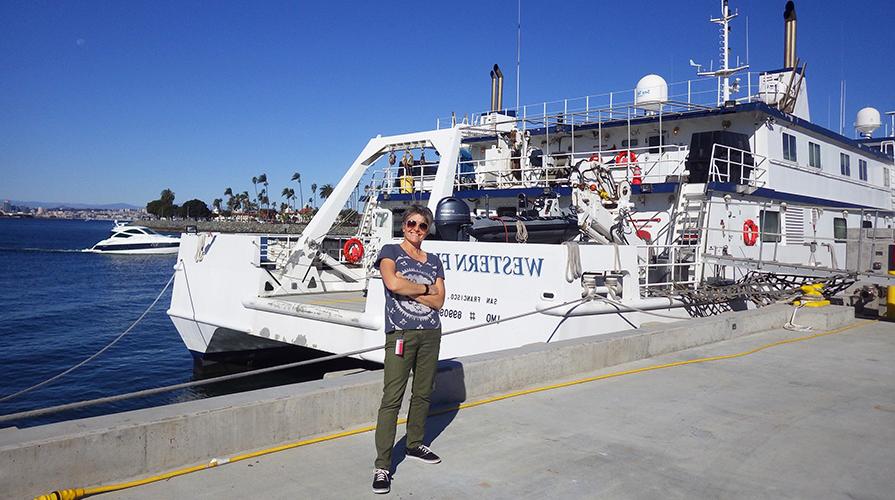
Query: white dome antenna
[
  {"x": 867, "y": 121},
  {"x": 651, "y": 93}
]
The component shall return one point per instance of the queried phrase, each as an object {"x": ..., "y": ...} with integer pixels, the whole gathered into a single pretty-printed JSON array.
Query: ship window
[
  {"x": 845, "y": 164},
  {"x": 632, "y": 144},
  {"x": 886, "y": 175},
  {"x": 653, "y": 142},
  {"x": 840, "y": 229},
  {"x": 814, "y": 154},
  {"x": 867, "y": 224},
  {"x": 121, "y": 235},
  {"x": 770, "y": 226},
  {"x": 789, "y": 147},
  {"x": 862, "y": 169}
]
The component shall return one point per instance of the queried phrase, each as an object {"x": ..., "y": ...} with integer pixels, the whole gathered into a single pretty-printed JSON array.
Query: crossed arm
[{"x": 402, "y": 286}]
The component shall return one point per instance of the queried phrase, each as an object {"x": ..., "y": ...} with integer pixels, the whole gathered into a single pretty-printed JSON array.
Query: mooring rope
[
  {"x": 233, "y": 376},
  {"x": 104, "y": 349}
]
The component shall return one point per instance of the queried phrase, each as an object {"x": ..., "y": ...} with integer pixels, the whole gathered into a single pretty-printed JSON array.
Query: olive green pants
[{"x": 420, "y": 355}]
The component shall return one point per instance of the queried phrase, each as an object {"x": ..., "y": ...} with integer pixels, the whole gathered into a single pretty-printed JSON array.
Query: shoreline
[{"x": 235, "y": 227}]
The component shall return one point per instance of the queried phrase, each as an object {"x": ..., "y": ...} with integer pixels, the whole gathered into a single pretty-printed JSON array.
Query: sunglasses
[{"x": 410, "y": 224}]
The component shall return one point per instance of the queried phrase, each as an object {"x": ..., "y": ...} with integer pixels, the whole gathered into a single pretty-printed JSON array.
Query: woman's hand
[{"x": 435, "y": 299}]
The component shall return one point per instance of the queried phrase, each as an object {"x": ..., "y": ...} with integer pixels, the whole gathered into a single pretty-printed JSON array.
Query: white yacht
[
  {"x": 590, "y": 216},
  {"x": 136, "y": 240}
]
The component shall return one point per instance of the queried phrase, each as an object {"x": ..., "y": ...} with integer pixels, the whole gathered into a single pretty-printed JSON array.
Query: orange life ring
[
  {"x": 625, "y": 157},
  {"x": 750, "y": 232},
  {"x": 353, "y": 250}
]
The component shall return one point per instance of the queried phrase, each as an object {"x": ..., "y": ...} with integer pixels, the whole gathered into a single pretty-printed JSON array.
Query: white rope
[
  {"x": 104, "y": 349},
  {"x": 200, "y": 248},
  {"x": 791, "y": 326},
  {"x": 521, "y": 232},
  {"x": 573, "y": 263}
]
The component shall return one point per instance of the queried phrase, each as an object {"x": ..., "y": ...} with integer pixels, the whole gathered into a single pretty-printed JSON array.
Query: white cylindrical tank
[
  {"x": 651, "y": 92},
  {"x": 867, "y": 121}
]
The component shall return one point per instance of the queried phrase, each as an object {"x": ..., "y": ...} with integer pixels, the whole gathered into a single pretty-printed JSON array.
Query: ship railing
[
  {"x": 730, "y": 164},
  {"x": 647, "y": 165},
  {"x": 858, "y": 236},
  {"x": 683, "y": 96},
  {"x": 668, "y": 267}
]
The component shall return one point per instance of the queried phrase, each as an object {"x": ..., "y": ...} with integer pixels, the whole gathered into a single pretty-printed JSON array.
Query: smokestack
[
  {"x": 789, "y": 36},
  {"x": 499, "y": 88},
  {"x": 493, "y": 89}
]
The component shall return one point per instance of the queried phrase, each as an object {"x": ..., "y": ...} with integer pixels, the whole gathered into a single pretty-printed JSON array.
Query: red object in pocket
[{"x": 399, "y": 347}]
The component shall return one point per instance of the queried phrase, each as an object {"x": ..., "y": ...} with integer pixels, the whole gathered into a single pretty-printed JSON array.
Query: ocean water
[{"x": 59, "y": 305}]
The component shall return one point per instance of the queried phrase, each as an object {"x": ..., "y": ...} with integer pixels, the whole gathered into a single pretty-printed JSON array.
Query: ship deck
[{"x": 347, "y": 301}]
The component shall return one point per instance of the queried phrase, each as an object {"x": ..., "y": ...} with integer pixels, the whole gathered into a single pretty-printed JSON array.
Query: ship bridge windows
[
  {"x": 769, "y": 222},
  {"x": 789, "y": 147},
  {"x": 121, "y": 235},
  {"x": 862, "y": 169},
  {"x": 814, "y": 155},
  {"x": 845, "y": 164}
]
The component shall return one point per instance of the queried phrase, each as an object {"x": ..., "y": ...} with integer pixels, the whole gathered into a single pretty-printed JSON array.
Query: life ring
[
  {"x": 625, "y": 157},
  {"x": 750, "y": 232},
  {"x": 353, "y": 251}
]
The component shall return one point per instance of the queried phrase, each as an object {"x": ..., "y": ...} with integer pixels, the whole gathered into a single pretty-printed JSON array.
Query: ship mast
[{"x": 725, "y": 71}]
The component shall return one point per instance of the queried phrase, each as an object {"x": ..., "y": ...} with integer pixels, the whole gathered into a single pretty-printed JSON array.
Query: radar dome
[
  {"x": 867, "y": 121},
  {"x": 651, "y": 92}
]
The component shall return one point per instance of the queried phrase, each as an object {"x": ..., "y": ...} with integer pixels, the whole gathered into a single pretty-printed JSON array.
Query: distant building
[{"x": 6, "y": 206}]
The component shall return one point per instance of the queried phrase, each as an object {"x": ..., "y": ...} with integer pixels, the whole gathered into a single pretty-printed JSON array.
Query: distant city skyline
[{"x": 112, "y": 102}]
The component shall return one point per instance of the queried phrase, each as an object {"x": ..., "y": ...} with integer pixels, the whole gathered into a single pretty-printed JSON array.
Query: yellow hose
[{"x": 77, "y": 493}]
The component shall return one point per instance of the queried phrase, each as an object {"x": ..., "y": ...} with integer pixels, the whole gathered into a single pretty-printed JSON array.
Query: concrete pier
[{"x": 110, "y": 449}]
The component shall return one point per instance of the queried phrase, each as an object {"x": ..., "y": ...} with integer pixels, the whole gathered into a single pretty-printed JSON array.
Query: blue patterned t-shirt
[{"x": 402, "y": 312}]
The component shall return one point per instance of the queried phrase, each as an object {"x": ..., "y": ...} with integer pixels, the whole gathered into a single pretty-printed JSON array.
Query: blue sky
[{"x": 110, "y": 101}]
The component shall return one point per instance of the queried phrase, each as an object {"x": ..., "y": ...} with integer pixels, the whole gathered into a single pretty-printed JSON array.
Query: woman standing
[{"x": 414, "y": 292}]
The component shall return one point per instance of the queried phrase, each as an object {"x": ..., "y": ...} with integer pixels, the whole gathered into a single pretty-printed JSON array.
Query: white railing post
[{"x": 749, "y": 85}]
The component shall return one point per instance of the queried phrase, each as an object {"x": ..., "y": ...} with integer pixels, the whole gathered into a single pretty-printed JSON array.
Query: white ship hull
[{"x": 217, "y": 296}]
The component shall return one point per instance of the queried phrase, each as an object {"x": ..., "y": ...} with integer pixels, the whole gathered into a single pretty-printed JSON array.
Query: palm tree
[
  {"x": 297, "y": 178},
  {"x": 289, "y": 194},
  {"x": 255, "y": 184},
  {"x": 313, "y": 191},
  {"x": 262, "y": 179},
  {"x": 326, "y": 190},
  {"x": 217, "y": 204},
  {"x": 229, "y": 194}
]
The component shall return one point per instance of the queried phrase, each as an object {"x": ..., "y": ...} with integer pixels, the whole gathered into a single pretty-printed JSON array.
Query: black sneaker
[
  {"x": 423, "y": 453},
  {"x": 382, "y": 482}
]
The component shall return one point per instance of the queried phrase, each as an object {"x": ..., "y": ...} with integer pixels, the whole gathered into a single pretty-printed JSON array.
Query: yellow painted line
[{"x": 72, "y": 494}]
